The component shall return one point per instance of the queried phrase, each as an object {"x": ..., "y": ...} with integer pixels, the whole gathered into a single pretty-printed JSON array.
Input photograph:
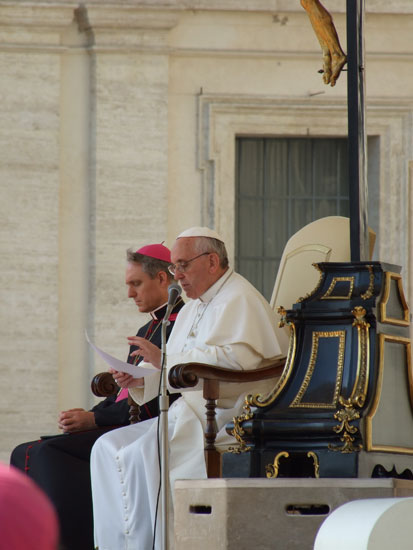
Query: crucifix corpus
[{"x": 334, "y": 58}]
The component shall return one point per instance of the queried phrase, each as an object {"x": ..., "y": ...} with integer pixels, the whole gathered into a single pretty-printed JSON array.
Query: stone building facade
[{"x": 118, "y": 127}]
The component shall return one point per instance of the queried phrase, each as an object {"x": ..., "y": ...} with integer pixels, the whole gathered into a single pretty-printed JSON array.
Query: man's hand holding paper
[{"x": 146, "y": 350}]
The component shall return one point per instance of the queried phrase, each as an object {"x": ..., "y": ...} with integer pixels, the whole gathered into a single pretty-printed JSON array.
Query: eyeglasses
[{"x": 183, "y": 266}]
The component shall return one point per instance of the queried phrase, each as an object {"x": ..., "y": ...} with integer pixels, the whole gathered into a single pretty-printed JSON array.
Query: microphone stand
[
  {"x": 163, "y": 419},
  {"x": 174, "y": 290}
]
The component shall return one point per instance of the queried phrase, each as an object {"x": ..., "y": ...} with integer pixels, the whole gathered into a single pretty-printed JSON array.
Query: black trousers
[{"x": 60, "y": 465}]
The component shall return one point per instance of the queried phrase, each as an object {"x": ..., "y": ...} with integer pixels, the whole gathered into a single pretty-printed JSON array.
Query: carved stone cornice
[
  {"x": 36, "y": 14},
  {"x": 134, "y": 27},
  {"x": 115, "y": 27},
  {"x": 121, "y": 17}
]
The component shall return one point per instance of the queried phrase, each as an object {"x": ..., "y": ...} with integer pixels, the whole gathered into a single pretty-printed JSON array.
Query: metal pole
[
  {"x": 357, "y": 144},
  {"x": 163, "y": 412}
]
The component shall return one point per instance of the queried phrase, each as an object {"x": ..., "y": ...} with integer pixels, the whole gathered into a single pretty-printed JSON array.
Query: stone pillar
[
  {"x": 131, "y": 97},
  {"x": 30, "y": 49},
  {"x": 76, "y": 202}
]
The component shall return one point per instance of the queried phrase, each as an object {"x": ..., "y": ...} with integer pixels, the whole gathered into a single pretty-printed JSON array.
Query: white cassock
[{"x": 231, "y": 325}]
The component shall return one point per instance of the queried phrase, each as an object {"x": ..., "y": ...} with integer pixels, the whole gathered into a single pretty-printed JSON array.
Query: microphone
[{"x": 174, "y": 291}]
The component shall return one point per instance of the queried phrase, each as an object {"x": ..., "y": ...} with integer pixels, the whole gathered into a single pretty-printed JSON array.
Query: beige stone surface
[
  {"x": 29, "y": 160},
  {"x": 238, "y": 514}
]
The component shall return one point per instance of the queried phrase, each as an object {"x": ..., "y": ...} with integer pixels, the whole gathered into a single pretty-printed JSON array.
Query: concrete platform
[{"x": 266, "y": 514}]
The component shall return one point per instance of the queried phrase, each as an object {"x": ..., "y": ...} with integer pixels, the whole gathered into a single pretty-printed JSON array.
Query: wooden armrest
[
  {"x": 103, "y": 385},
  {"x": 187, "y": 375}
]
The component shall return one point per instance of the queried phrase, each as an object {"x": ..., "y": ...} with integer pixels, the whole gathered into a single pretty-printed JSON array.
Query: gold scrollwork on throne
[
  {"x": 369, "y": 292},
  {"x": 347, "y": 414},
  {"x": 318, "y": 285},
  {"x": 238, "y": 431},
  {"x": 272, "y": 470},
  {"x": 359, "y": 392}
]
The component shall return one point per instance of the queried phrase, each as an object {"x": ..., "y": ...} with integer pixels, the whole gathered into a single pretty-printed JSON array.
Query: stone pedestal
[{"x": 269, "y": 514}]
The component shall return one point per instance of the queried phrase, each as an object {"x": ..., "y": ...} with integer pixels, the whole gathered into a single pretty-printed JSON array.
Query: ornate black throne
[{"x": 342, "y": 406}]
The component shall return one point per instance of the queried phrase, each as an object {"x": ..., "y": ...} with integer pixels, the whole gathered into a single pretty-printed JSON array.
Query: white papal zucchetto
[{"x": 200, "y": 232}]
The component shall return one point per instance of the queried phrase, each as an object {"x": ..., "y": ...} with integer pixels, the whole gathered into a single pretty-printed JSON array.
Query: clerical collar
[
  {"x": 159, "y": 312},
  {"x": 216, "y": 287}
]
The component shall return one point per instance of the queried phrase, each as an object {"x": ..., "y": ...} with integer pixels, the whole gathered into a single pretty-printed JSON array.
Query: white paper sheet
[{"x": 135, "y": 370}]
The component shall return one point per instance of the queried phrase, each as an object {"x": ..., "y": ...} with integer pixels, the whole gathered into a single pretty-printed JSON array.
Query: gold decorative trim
[
  {"x": 260, "y": 401},
  {"x": 272, "y": 469},
  {"x": 282, "y": 312},
  {"x": 297, "y": 401},
  {"x": 386, "y": 295},
  {"x": 359, "y": 392},
  {"x": 335, "y": 280},
  {"x": 358, "y": 396},
  {"x": 311, "y": 454},
  {"x": 345, "y": 416},
  {"x": 370, "y": 446},
  {"x": 312, "y": 292},
  {"x": 238, "y": 431},
  {"x": 369, "y": 292}
]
